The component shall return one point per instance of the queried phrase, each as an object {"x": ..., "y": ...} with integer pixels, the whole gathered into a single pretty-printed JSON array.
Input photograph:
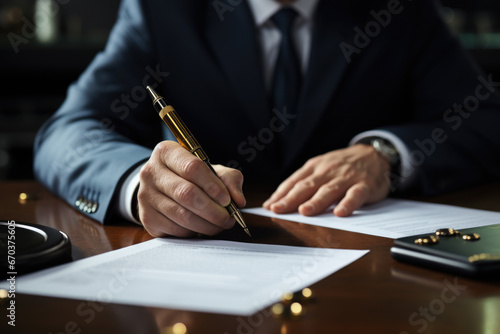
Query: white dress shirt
[{"x": 269, "y": 36}]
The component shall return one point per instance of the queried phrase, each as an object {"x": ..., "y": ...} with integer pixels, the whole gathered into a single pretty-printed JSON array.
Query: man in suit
[{"x": 372, "y": 89}]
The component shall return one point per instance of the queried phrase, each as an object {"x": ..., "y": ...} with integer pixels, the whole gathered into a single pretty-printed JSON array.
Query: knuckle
[
  {"x": 312, "y": 162},
  {"x": 305, "y": 184},
  {"x": 192, "y": 166},
  {"x": 348, "y": 172},
  {"x": 212, "y": 189},
  {"x": 183, "y": 215},
  {"x": 231, "y": 175},
  {"x": 331, "y": 165},
  {"x": 360, "y": 191},
  {"x": 149, "y": 225},
  {"x": 324, "y": 169},
  {"x": 184, "y": 218},
  {"x": 330, "y": 188},
  {"x": 199, "y": 203},
  {"x": 158, "y": 149},
  {"x": 142, "y": 195},
  {"x": 185, "y": 193},
  {"x": 146, "y": 171},
  {"x": 333, "y": 186},
  {"x": 236, "y": 175},
  {"x": 161, "y": 148},
  {"x": 159, "y": 226}
]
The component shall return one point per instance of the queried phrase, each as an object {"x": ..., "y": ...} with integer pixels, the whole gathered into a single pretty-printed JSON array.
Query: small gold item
[
  {"x": 296, "y": 309},
  {"x": 3, "y": 293},
  {"x": 278, "y": 310},
  {"x": 177, "y": 328},
  {"x": 288, "y": 297},
  {"x": 430, "y": 240},
  {"x": 447, "y": 232},
  {"x": 471, "y": 236},
  {"x": 484, "y": 257},
  {"x": 23, "y": 198},
  {"x": 307, "y": 293}
]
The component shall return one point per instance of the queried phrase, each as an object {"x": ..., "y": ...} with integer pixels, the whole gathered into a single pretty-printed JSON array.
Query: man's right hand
[{"x": 180, "y": 196}]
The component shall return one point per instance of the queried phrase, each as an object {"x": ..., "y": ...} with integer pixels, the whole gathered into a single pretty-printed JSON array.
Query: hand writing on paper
[{"x": 179, "y": 195}]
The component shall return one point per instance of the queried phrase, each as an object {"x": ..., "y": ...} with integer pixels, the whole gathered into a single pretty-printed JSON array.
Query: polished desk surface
[{"x": 372, "y": 295}]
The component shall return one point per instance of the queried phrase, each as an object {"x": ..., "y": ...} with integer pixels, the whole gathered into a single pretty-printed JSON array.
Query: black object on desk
[
  {"x": 26, "y": 247},
  {"x": 472, "y": 252}
]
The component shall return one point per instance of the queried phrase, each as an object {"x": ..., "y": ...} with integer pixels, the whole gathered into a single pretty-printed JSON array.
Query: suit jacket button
[{"x": 83, "y": 204}]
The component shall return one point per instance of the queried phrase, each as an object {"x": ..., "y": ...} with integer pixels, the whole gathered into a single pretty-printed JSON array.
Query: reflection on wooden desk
[{"x": 373, "y": 295}]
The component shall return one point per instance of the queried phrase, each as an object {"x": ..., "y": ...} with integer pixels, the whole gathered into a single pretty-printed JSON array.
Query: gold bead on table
[
  {"x": 23, "y": 198},
  {"x": 177, "y": 328}
]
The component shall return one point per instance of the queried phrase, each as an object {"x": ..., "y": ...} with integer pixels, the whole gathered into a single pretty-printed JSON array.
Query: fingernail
[
  {"x": 278, "y": 206},
  {"x": 223, "y": 199},
  {"x": 342, "y": 210},
  {"x": 308, "y": 207}
]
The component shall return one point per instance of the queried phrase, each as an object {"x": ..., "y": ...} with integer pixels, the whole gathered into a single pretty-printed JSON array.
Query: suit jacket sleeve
[
  {"x": 453, "y": 141},
  {"x": 86, "y": 148}
]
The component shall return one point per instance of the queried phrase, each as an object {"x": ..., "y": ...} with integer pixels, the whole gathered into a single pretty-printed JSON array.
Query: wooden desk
[{"x": 373, "y": 295}]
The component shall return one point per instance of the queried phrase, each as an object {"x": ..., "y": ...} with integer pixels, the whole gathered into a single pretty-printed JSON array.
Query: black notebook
[{"x": 472, "y": 252}]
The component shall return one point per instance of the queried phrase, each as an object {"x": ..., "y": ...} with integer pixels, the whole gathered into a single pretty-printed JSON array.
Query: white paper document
[
  {"x": 395, "y": 218},
  {"x": 197, "y": 275}
]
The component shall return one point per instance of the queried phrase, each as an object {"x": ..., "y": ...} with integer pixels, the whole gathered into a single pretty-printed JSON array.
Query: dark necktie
[{"x": 287, "y": 74}]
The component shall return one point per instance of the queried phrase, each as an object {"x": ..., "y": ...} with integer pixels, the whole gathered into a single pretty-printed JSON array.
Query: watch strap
[{"x": 385, "y": 148}]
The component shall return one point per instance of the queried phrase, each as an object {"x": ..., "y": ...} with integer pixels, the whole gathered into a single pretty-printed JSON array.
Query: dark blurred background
[{"x": 37, "y": 65}]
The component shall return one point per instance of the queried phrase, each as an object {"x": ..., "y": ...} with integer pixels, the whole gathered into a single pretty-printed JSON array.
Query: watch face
[{"x": 386, "y": 149}]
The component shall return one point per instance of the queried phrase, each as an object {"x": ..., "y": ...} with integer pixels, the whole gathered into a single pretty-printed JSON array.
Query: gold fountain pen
[{"x": 189, "y": 142}]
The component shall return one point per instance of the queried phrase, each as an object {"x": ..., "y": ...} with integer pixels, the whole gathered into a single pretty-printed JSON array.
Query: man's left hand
[{"x": 352, "y": 176}]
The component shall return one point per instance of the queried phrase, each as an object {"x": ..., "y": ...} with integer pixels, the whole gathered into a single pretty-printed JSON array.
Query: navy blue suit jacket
[{"x": 401, "y": 72}]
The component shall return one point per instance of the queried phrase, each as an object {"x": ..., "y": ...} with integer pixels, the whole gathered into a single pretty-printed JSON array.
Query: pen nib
[
  {"x": 154, "y": 95},
  {"x": 233, "y": 211}
]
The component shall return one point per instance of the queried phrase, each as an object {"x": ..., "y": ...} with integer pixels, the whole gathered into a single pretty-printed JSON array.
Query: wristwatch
[{"x": 388, "y": 151}]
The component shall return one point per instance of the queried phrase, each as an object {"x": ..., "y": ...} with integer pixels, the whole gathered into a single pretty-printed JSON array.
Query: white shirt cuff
[
  {"x": 408, "y": 170},
  {"x": 126, "y": 193}
]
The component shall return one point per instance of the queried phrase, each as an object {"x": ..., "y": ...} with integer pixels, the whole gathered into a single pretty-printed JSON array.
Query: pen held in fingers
[{"x": 189, "y": 142}]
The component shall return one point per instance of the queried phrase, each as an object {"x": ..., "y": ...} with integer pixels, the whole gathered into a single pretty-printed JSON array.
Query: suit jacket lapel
[
  {"x": 233, "y": 41},
  {"x": 234, "y": 44},
  {"x": 326, "y": 69}
]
